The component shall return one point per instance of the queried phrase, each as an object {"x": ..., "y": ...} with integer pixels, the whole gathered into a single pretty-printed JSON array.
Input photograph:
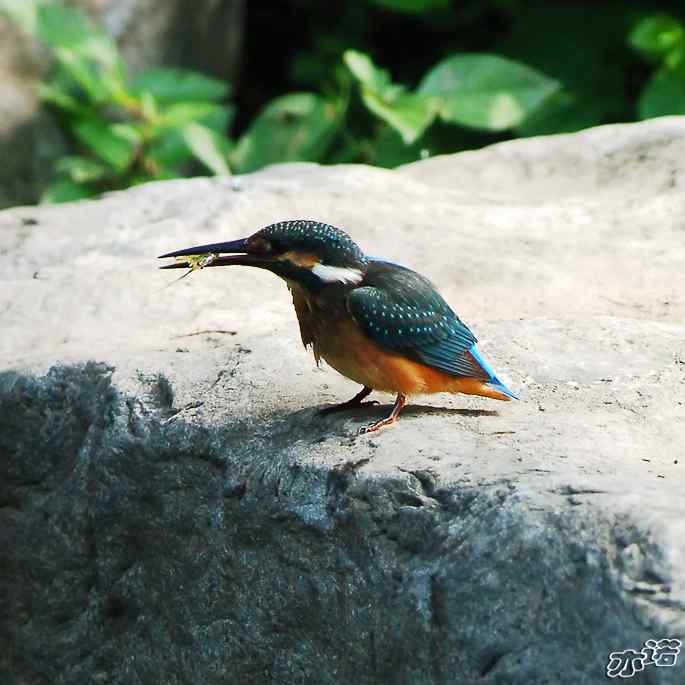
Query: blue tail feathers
[{"x": 492, "y": 377}]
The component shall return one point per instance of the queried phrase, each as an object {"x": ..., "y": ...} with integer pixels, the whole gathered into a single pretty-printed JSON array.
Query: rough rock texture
[
  {"x": 204, "y": 35},
  {"x": 173, "y": 510}
]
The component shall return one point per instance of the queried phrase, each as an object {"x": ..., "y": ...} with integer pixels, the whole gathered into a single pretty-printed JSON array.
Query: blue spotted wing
[{"x": 401, "y": 311}]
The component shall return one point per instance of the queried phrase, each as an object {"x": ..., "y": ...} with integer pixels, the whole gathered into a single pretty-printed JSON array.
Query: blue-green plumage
[
  {"x": 328, "y": 242},
  {"x": 401, "y": 311},
  {"x": 491, "y": 377}
]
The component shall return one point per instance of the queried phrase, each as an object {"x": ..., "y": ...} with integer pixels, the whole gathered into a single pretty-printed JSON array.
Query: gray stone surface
[{"x": 173, "y": 510}]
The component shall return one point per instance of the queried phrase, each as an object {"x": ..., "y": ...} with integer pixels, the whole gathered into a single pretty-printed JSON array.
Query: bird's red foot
[
  {"x": 354, "y": 403},
  {"x": 377, "y": 425},
  {"x": 388, "y": 421}
]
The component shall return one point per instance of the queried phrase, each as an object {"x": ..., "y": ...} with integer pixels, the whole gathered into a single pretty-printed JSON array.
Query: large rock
[
  {"x": 204, "y": 35},
  {"x": 173, "y": 510}
]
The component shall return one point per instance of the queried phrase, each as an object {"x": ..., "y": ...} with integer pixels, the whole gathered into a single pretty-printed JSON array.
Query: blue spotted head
[{"x": 312, "y": 254}]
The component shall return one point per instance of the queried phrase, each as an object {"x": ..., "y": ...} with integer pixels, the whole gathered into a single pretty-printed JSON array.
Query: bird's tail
[{"x": 492, "y": 381}]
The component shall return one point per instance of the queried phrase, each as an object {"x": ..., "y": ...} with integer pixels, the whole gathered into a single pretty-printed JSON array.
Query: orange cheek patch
[{"x": 303, "y": 259}]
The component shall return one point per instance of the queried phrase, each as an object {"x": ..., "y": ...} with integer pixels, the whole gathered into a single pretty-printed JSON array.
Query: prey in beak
[
  {"x": 214, "y": 254},
  {"x": 243, "y": 252}
]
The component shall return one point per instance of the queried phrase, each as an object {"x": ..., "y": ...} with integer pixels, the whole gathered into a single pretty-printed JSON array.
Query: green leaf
[
  {"x": 389, "y": 150},
  {"x": 131, "y": 132},
  {"x": 409, "y": 114},
  {"x": 366, "y": 72},
  {"x": 147, "y": 107},
  {"x": 68, "y": 29},
  {"x": 676, "y": 57},
  {"x": 412, "y": 6},
  {"x": 182, "y": 113},
  {"x": 82, "y": 169},
  {"x": 486, "y": 91},
  {"x": 219, "y": 119},
  {"x": 66, "y": 191},
  {"x": 169, "y": 150},
  {"x": 664, "y": 94},
  {"x": 86, "y": 54},
  {"x": 82, "y": 72},
  {"x": 56, "y": 96},
  {"x": 103, "y": 139},
  {"x": 657, "y": 36},
  {"x": 208, "y": 147},
  {"x": 562, "y": 112},
  {"x": 295, "y": 127},
  {"x": 179, "y": 85},
  {"x": 60, "y": 26}
]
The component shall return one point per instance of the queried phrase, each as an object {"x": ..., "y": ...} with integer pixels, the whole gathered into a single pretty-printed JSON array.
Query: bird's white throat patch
[{"x": 337, "y": 274}]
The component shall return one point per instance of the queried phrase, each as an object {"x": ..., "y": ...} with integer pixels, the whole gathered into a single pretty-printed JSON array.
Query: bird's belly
[
  {"x": 344, "y": 347},
  {"x": 363, "y": 366}
]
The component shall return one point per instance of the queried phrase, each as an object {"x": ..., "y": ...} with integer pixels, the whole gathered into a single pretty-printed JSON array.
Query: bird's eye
[{"x": 260, "y": 246}]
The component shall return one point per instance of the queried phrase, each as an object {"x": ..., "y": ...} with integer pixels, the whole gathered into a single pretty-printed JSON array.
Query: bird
[{"x": 376, "y": 322}]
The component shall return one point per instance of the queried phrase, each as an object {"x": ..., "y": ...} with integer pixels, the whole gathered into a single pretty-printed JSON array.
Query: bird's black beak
[{"x": 231, "y": 252}]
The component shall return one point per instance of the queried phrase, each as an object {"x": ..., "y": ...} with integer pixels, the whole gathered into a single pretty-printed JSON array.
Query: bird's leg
[
  {"x": 394, "y": 415},
  {"x": 355, "y": 402}
]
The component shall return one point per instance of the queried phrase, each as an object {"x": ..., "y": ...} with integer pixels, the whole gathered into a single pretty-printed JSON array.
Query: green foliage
[
  {"x": 661, "y": 39},
  {"x": 547, "y": 68},
  {"x": 480, "y": 91},
  {"x": 664, "y": 94},
  {"x": 210, "y": 147},
  {"x": 412, "y": 6},
  {"x": 295, "y": 127},
  {"x": 409, "y": 114},
  {"x": 486, "y": 91},
  {"x": 170, "y": 86},
  {"x": 67, "y": 191},
  {"x": 126, "y": 130}
]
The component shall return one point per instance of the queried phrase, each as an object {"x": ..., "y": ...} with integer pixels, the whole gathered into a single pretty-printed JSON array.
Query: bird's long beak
[{"x": 231, "y": 252}]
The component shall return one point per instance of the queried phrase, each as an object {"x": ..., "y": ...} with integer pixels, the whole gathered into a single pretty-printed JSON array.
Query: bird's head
[{"x": 310, "y": 253}]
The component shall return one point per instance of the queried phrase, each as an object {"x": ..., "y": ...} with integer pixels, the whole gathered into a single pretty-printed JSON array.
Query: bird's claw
[
  {"x": 377, "y": 425},
  {"x": 388, "y": 421}
]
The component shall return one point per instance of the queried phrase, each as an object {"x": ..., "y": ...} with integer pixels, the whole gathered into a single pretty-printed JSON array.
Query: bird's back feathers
[{"x": 401, "y": 311}]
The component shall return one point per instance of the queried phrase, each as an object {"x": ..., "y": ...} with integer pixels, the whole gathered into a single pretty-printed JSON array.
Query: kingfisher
[{"x": 380, "y": 324}]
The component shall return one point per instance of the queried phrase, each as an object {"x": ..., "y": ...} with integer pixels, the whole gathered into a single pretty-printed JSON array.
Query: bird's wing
[
  {"x": 304, "y": 315},
  {"x": 402, "y": 312}
]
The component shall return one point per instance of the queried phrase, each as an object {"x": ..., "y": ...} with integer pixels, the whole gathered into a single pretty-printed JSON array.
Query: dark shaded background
[{"x": 297, "y": 45}]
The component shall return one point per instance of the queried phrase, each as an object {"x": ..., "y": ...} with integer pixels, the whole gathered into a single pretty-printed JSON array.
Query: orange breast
[
  {"x": 355, "y": 356},
  {"x": 335, "y": 337}
]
